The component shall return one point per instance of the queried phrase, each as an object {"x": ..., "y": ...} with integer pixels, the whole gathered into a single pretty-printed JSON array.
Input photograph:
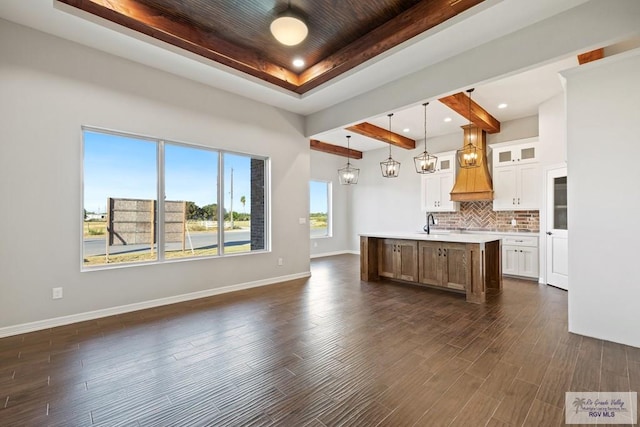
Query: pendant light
[
  {"x": 390, "y": 168},
  {"x": 348, "y": 175},
  {"x": 468, "y": 154},
  {"x": 425, "y": 162}
]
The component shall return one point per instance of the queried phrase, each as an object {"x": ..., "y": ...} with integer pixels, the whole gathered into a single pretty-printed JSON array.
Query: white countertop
[{"x": 435, "y": 236}]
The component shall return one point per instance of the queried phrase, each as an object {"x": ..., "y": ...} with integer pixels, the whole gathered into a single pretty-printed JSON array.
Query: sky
[
  {"x": 123, "y": 167},
  {"x": 318, "y": 196}
]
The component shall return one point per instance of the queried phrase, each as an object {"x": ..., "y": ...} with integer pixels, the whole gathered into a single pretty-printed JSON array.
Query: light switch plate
[{"x": 302, "y": 220}]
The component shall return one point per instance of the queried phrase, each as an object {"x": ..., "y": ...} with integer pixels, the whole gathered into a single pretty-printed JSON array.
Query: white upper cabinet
[
  {"x": 516, "y": 176},
  {"x": 437, "y": 185},
  {"x": 506, "y": 153}
]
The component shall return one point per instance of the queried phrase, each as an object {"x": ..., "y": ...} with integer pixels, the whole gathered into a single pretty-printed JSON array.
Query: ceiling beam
[
  {"x": 334, "y": 149},
  {"x": 477, "y": 115},
  {"x": 384, "y": 135},
  {"x": 593, "y": 55}
]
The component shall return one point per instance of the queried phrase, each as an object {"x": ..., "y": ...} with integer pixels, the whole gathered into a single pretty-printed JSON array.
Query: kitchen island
[{"x": 460, "y": 262}]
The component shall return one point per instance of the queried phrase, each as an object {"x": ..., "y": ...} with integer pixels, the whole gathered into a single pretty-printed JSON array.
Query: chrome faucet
[{"x": 427, "y": 227}]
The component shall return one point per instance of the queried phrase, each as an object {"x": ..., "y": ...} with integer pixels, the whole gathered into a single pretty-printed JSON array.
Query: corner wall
[
  {"x": 604, "y": 200},
  {"x": 51, "y": 87}
]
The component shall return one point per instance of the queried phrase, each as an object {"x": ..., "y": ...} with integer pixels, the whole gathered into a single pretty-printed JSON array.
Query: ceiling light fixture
[
  {"x": 298, "y": 62},
  {"x": 447, "y": 119},
  {"x": 468, "y": 154},
  {"x": 390, "y": 168},
  {"x": 425, "y": 162},
  {"x": 348, "y": 175},
  {"x": 289, "y": 27},
  {"x": 503, "y": 105},
  {"x": 406, "y": 130}
]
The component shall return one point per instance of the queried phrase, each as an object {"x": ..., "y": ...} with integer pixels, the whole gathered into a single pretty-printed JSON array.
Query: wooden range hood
[{"x": 474, "y": 184}]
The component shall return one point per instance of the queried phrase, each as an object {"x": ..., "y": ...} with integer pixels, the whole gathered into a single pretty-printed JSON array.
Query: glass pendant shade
[
  {"x": 468, "y": 154},
  {"x": 289, "y": 29},
  {"x": 390, "y": 168},
  {"x": 425, "y": 162},
  {"x": 348, "y": 175}
]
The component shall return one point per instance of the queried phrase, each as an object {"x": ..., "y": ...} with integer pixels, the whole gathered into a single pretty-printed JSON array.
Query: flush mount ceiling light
[
  {"x": 390, "y": 168},
  {"x": 348, "y": 175},
  {"x": 425, "y": 162},
  {"x": 468, "y": 154},
  {"x": 289, "y": 28},
  {"x": 298, "y": 62}
]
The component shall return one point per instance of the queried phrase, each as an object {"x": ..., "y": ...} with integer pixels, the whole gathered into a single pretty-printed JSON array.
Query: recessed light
[
  {"x": 503, "y": 105},
  {"x": 298, "y": 62},
  {"x": 447, "y": 119},
  {"x": 405, "y": 130}
]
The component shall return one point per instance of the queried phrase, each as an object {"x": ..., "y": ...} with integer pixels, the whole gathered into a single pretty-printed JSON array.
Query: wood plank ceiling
[{"x": 342, "y": 34}]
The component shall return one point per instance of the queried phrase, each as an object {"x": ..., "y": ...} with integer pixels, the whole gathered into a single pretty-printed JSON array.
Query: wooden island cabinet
[
  {"x": 398, "y": 259},
  {"x": 468, "y": 263}
]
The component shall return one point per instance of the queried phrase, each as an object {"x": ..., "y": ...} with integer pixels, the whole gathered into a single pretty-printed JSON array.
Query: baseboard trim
[
  {"x": 97, "y": 314},
  {"x": 322, "y": 255}
]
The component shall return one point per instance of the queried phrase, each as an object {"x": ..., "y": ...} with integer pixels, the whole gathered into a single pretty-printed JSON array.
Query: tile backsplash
[{"x": 480, "y": 216}]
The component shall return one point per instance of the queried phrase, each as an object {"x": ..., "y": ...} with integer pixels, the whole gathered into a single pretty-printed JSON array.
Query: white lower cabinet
[{"x": 520, "y": 256}]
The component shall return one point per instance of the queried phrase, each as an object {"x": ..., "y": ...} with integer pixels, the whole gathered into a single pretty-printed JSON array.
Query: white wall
[
  {"x": 48, "y": 89},
  {"x": 324, "y": 167},
  {"x": 553, "y": 153},
  {"x": 603, "y": 129}
]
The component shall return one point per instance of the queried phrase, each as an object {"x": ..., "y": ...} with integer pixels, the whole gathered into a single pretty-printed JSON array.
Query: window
[
  {"x": 209, "y": 196},
  {"x": 320, "y": 208}
]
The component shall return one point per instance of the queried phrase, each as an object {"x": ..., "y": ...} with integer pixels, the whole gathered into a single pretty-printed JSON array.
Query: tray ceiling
[{"x": 342, "y": 34}]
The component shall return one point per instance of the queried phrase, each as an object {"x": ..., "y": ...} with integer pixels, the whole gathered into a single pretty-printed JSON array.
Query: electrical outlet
[
  {"x": 56, "y": 293},
  {"x": 513, "y": 222},
  {"x": 302, "y": 220},
  {"x": 280, "y": 261},
  {"x": 435, "y": 221},
  {"x": 315, "y": 244}
]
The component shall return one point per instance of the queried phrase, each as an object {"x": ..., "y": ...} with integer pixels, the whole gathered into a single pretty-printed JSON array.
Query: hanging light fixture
[
  {"x": 289, "y": 28},
  {"x": 390, "y": 168},
  {"x": 425, "y": 162},
  {"x": 348, "y": 174},
  {"x": 468, "y": 154}
]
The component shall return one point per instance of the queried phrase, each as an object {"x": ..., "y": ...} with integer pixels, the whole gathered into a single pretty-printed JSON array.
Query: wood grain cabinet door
[
  {"x": 429, "y": 263},
  {"x": 387, "y": 258},
  {"x": 455, "y": 266},
  {"x": 407, "y": 260}
]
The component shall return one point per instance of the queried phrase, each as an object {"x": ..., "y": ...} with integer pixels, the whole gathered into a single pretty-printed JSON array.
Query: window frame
[
  {"x": 329, "y": 185},
  {"x": 160, "y": 247}
]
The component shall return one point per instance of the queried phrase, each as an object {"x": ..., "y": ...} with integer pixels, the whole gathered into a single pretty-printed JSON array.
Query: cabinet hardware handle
[
  {"x": 519, "y": 241},
  {"x": 549, "y": 233},
  {"x": 445, "y": 252},
  {"x": 514, "y": 201},
  {"x": 439, "y": 251},
  {"x": 518, "y": 200}
]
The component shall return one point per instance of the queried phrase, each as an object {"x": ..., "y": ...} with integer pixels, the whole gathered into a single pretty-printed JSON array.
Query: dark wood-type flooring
[{"x": 326, "y": 351}]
